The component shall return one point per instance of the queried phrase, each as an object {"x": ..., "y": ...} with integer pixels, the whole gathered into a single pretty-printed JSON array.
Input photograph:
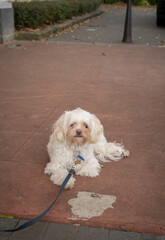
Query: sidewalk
[
  {"x": 124, "y": 86},
  {"x": 109, "y": 27},
  {"x": 38, "y": 83}
]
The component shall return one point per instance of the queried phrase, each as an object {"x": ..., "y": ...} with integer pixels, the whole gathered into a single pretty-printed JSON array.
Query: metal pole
[{"x": 127, "y": 37}]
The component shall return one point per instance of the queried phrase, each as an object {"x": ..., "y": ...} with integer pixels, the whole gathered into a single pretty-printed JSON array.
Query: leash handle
[{"x": 33, "y": 221}]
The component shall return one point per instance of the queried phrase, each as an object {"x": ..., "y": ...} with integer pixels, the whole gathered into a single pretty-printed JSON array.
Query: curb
[{"x": 45, "y": 33}]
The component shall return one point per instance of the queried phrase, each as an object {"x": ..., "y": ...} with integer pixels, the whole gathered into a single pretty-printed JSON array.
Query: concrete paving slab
[
  {"x": 34, "y": 150},
  {"x": 6, "y": 223},
  {"x": 92, "y": 233},
  {"x": 149, "y": 237},
  {"x": 37, "y": 232},
  {"x": 124, "y": 88},
  {"x": 13, "y": 141},
  {"x": 118, "y": 235},
  {"x": 22, "y": 110},
  {"x": 56, "y": 231}
]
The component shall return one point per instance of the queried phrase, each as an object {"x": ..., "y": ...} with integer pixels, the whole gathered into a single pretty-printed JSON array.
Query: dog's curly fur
[{"x": 79, "y": 132}]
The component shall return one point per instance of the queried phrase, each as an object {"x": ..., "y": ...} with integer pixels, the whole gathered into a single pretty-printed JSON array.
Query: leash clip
[{"x": 78, "y": 160}]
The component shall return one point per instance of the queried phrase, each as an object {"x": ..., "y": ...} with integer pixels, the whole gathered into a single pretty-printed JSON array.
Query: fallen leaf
[{"x": 76, "y": 224}]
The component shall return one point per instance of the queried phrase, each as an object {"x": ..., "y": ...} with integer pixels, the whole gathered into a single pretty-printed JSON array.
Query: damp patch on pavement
[{"x": 89, "y": 204}]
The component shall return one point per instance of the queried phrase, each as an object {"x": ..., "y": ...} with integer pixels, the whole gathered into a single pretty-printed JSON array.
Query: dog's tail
[{"x": 110, "y": 151}]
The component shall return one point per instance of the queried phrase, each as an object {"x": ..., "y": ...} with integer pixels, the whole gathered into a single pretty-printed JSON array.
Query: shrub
[
  {"x": 134, "y": 2},
  {"x": 37, "y": 14}
]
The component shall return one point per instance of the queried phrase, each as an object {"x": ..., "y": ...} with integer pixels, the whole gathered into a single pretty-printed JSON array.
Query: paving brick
[
  {"x": 34, "y": 232},
  {"x": 88, "y": 233},
  {"x": 60, "y": 232},
  {"x": 6, "y": 223},
  {"x": 119, "y": 235}
]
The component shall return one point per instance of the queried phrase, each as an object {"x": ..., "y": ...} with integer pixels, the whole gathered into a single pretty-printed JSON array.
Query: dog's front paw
[
  {"x": 58, "y": 180},
  {"x": 88, "y": 171},
  {"x": 70, "y": 183},
  {"x": 49, "y": 169}
]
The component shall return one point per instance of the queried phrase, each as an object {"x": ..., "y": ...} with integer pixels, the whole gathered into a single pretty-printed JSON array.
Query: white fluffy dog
[{"x": 79, "y": 132}]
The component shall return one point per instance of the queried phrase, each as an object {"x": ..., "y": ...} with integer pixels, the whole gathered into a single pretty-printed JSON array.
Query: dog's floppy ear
[
  {"x": 97, "y": 129},
  {"x": 59, "y": 128}
]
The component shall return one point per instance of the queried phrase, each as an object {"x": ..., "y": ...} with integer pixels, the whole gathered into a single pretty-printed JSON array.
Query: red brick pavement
[{"x": 124, "y": 87}]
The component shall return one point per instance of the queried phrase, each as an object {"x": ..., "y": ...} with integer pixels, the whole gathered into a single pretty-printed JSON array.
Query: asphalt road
[{"x": 109, "y": 27}]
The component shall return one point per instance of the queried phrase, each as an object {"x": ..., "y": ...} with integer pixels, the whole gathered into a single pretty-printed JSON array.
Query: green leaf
[{"x": 3, "y": 216}]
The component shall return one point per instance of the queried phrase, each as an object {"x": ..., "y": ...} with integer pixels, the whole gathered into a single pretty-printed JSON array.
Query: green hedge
[
  {"x": 134, "y": 2},
  {"x": 37, "y": 14}
]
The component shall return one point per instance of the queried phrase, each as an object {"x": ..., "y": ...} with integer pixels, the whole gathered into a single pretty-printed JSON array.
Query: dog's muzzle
[{"x": 78, "y": 133}]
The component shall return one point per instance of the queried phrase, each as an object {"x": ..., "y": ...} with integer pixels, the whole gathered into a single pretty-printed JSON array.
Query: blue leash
[{"x": 38, "y": 218}]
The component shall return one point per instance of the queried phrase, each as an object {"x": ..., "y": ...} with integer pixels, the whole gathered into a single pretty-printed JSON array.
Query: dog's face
[
  {"x": 78, "y": 132},
  {"x": 78, "y": 127}
]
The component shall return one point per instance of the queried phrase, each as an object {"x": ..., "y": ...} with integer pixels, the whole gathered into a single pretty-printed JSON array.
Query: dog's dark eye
[
  {"x": 72, "y": 124},
  {"x": 85, "y": 125}
]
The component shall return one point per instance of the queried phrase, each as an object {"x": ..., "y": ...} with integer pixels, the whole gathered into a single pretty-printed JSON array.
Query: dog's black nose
[{"x": 78, "y": 131}]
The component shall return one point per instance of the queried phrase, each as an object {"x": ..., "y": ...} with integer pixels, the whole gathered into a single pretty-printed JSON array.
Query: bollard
[
  {"x": 6, "y": 21},
  {"x": 127, "y": 37}
]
